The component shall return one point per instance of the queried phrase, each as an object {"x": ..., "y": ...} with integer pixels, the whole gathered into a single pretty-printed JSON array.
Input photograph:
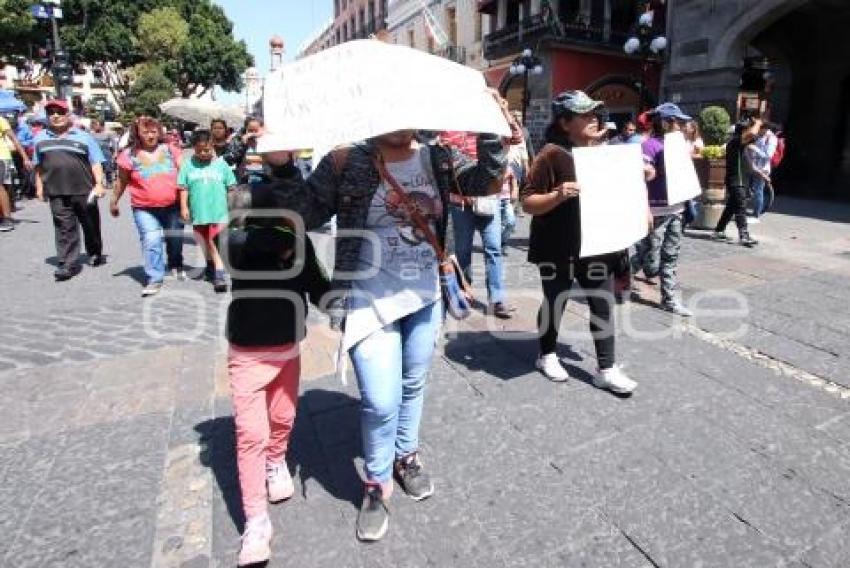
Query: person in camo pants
[{"x": 658, "y": 252}]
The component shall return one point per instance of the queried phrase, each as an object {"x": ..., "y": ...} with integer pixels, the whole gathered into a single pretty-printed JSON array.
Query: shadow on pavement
[
  {"x": 218, "y": 438},
  {"x": 324, "y": 445},
  {"x": 137, "y": 273},
  {"x": 326, "y": 448},
  {"x": 832, "y": 211},
  {"x": 509, "y": 356}
]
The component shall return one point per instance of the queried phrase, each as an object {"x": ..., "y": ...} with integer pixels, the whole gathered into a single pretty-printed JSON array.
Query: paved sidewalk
[{"x": 116, "y": 445}]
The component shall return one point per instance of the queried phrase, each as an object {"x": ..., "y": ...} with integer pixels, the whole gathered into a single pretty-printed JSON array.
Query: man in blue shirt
[{"x": 69, "y": 172}]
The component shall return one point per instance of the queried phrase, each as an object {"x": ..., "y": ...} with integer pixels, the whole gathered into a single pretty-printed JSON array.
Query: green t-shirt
[{"x": 207, "y": 184}]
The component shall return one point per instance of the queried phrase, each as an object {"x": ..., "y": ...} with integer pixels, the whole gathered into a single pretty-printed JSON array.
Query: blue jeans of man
[
  {"x": 158, "y": 226},
  {"x": 465, "y": 224},
  {"x": 508, "y": 220},
  {"x": 391, "y": 366},
  {"x": 757, "y": 187}
]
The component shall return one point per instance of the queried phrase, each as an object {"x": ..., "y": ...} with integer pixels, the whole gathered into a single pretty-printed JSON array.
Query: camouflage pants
[{"x": 658, "y": 254}]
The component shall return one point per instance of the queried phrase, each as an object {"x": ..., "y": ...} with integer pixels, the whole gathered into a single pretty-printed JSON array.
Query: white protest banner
[
  {"x": 365, "y": 88},
  {"x": 613, "y": 200},
  {"x": 682, "y": 181}
]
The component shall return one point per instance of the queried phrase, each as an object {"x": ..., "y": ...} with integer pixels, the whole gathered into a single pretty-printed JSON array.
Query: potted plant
[{"x": 714, "y": 122}]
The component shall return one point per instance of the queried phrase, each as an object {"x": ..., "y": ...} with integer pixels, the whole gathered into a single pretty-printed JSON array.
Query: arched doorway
[
  {"x": 622, "y": 96},
  {"x": 805, "y": 44}
]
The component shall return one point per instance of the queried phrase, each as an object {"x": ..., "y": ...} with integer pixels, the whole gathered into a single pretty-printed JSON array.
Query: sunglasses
[{"x": 56, "y": 112}]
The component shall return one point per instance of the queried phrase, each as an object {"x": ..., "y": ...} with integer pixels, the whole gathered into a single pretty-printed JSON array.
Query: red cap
[{"x": 58, "y": 103}]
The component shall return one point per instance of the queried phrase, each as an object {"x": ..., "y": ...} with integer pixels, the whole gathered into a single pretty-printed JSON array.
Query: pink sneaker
[
  {"x": 279, "y": 482},
  {"x": 256, "y": 541}
]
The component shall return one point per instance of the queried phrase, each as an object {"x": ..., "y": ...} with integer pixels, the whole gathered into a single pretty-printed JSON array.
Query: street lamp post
[
  {"x": 526, "y": 63},
  {"x": 646, "y": 42}
]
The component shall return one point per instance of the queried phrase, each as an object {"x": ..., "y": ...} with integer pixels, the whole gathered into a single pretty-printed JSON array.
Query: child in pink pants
[{"x": 265, "y": 323}]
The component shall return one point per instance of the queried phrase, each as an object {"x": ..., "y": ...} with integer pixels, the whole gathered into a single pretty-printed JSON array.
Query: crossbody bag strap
[{"x": 421, "y": 223}]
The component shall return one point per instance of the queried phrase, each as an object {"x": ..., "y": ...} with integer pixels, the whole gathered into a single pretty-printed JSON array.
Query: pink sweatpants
[{"x": 264, "y": 387}]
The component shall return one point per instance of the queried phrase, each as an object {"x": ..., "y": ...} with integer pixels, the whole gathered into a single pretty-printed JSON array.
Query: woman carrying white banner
[
  {"x": 386, "y": 284},
  {"x": 551, "y": 195}
]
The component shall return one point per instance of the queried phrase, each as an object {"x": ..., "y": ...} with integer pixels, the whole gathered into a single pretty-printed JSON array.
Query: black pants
[
  {"x": 596, "y": 277},
  {"x": 736, "y": 204},
  {"x": 69, "y": 212}
]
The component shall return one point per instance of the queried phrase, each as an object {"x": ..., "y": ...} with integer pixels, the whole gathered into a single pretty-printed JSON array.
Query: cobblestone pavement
[{"x": 116, "y": 442}]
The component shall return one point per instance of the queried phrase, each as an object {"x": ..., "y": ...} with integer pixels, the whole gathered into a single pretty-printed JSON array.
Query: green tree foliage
[
  {"x": 162, "y": 35},
  {"x": 16, "y": 26},
  {"x": 114, "y": 36},
  {"x": 151, "y": 86},
  {"x": 212, "y": 56}
]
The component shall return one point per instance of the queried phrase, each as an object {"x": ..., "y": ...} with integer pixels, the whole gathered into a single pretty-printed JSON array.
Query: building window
[
  {"x": 363, "y": 30},
  {"x": 411, "y": 38},
  {"x": 338, "y": 37},
  {"x": 430, "y": 44},
  {"x": 353, "y": 26},
  {"x": 336, "y": 8},
  {"x": 372, "y": 12},
  {"x": 345, "y": 31},
  {"x": 451, "y": 18},
  {"x": 479, "y": 25}
]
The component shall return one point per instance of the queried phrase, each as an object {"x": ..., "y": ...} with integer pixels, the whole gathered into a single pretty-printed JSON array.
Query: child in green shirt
[{"x": 204, "y": 181}]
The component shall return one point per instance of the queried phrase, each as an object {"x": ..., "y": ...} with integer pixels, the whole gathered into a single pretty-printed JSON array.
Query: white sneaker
[
  {"x": 614, "y": 380},
  {"x": 279, "y": 482},
  {"x": 256, "y": 541},
  {"x": 550, "y": 366},
  {"x": 178, "y": 274}
]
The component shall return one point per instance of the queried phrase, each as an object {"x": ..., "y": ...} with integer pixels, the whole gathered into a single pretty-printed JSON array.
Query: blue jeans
[
  {"x": 465, "y": 224},
  {"x": 757, "y": 187},
  {"x": 155, "y": 225},
  {"x": 391, "y": 367},
  {"x": 508, "y": 220}
]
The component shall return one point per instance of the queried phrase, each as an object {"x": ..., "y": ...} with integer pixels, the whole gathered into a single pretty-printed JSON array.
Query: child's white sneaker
[
  {"x": 256, "y": 541},
  {"x": 279, "y": 482}
]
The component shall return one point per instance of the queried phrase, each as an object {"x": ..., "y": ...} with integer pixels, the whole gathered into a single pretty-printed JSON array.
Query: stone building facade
[
  {"x": 353, "y": 19},
  {"x": 790, "y": 59},
  {"x": 463, "y": 25}
]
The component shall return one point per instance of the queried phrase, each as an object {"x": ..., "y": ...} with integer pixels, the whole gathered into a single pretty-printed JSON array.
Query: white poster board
[
  {"x": 682, "y": 180},
  {"x": 614, "y": 206},
  {"x": 364, "y": 88}
]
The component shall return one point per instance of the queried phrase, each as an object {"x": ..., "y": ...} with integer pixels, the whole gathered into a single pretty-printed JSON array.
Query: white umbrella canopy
[{"x": 202, "y": 111}]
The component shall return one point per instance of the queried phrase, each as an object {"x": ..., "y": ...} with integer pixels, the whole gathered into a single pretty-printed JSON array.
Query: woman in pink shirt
[{"x": 148, "y": 168}]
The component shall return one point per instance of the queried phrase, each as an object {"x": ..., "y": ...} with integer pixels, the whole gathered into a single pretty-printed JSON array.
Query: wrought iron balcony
[{"x": 511, "y": 39}]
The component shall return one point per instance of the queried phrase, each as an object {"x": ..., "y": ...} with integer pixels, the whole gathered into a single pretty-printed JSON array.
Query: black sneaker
[
  {"x": 747, "y": 241},
  {"x": 374, "y": 517},
  {"x": 501, "y": 311},
  {"x": 219, "y": 283},
  {"x": 415, "y": 482},
  {"x": 6, "y": 224},
  {"x": 98, "y": 260},
  {"x": 64, "y": 273}
]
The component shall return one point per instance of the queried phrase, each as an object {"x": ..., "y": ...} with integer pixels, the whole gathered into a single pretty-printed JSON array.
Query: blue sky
[{"x": 257, "y": 20}]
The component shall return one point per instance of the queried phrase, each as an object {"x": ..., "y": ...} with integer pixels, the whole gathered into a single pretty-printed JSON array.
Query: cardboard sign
[
  {"x": 682, "y": 180},
  {"x": 365, "y": 88},
  {"x": 614, "y": 207}
]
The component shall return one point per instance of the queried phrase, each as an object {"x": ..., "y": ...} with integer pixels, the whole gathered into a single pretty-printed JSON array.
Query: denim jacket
[{"x": 346, "y": 190}]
